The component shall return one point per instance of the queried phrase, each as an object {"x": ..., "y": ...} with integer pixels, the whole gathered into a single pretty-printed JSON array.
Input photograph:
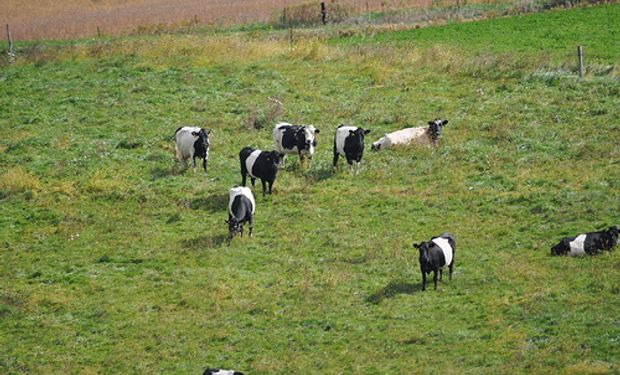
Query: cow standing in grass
[
  {"x": 192, "y": 142},
  {"x": 424, "y": 135},
  {"x": 294, "y": 139},
  {"x": 435, "y": 255},
  {"x": 349, "y": 142},
  {"x": 259, "y": 164},
  {"x": 587, "y": 244},
  {"x": 241, "y": 206}
]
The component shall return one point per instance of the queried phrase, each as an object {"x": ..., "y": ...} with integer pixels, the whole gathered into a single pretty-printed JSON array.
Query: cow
[
  {"x": 259, "y": 164},
  {"x": 589, "y": 243},
  {"x": 423, "y": 135},
  {"x": 192, "y": 142},
  {"x": 435, "y": 255},
  {"x": 241, "y": 206},
  {"x": 349, "y": 142},
  {"x": 217, "y": 371},
  {"x": 294, "y": 139}
]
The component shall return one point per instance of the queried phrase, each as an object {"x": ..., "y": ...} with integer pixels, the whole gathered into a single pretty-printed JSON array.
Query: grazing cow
[
  {"x": 349, "y": 142},
  {"x": 259, "y": 164},
  {"x": 241, "y": 206},
  {"x": 407, "y": 136},
  {"x": 589, "y": 243},
  {"x": 192, "y": 142},
  {"x": 435, "y": 255},
  {"x": 294, "y": 139},
  {"x": 217, "y": 371}
]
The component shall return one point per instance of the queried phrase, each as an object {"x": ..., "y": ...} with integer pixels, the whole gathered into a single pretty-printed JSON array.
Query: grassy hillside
[{"x": 113, "y": 260}]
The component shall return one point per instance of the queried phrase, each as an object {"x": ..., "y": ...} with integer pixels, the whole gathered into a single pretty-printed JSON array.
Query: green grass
[
  {"x": 113, "y": 260},
  {"x": 554, "y": 34}
]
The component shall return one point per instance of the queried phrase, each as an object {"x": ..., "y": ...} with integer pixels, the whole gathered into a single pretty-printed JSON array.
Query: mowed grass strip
[{"x": 113, "y": 259}]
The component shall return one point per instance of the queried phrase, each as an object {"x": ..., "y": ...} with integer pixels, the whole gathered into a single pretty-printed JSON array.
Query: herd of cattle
[{"x": 435, "y": 254}]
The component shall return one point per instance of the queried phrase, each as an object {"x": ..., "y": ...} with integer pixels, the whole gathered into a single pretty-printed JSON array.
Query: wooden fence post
[
  {"x": 98, "y": 32},
  {"x": 580, "y": 60},
  {"x": 10, "y": 52},
  {"x": 323, "y": 12}
]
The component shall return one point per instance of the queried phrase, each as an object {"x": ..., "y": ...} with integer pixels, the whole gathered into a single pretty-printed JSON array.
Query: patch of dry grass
[{"x": 18, "y": 180}]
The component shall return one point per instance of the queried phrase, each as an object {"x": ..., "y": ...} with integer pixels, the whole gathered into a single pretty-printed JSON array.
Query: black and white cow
[
  {"x": 259, "y": 164},
  {"x": 241, "y": 206},
  {"x": 217, "y": 371},
  {"x": 423, "y": 135},
  {"x": 294, "y": 139},
  {"x": 589, "y": 243},
  {"x": 435, "y": 255},
  {"x": 192, "y": 142},
  {"x": 349, "y": 142}
]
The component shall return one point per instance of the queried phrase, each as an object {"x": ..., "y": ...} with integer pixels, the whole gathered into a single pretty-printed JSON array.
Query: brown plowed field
[{"x": 53, "y": 19}]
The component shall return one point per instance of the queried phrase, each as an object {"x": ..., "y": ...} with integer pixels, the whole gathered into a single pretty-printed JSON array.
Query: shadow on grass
[
  {"x": 391, "y": 290},
  {"x": 205, "y": 242},
  {"x": 160, "y": 172},
  {"x": 319, "y": 174},
  {"x": 216, "y": 202}
]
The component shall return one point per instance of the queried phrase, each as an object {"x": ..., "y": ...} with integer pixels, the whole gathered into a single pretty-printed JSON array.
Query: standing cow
[
  {"x": 192, "y": 142},
  {"x": 259, "y": 164},
  {"x": 589, "y": 243},
  {"x": 241, "y": 206},
  {"x": 349, "y": 142},
  {"x": 423, "y": 135},
  {"x": 294, "y": 139},
  {"x": 435, "y": 255}
]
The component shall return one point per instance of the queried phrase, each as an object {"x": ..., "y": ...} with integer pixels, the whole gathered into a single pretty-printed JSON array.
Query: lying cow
[
  {"x": 589, "y": 243},
  {"x": 259, "y": 164},
  {"x": 217, "y": 371},
  {"x": 241, "y": 206},
  {"x": 192, "y": 142},
  {"x": 294, "y": 139},
  {"x": 435, "y": 255},
  {"x": 403, "y": 137},
  {"x": 349, "y": 142}
]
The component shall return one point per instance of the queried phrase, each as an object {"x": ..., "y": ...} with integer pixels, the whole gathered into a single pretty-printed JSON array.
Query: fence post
[
  {"x": 98, "y": 32},
  {"x": 10, "y": 52},
  {"x": 580, "y": 60},
  {"x": 323, "y": 12}
]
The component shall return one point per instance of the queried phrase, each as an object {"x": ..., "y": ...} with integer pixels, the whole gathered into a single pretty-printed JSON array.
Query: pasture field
[{"x": 114, "y": 260}]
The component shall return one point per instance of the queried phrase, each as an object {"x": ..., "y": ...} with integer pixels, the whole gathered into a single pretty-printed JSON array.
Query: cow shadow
[
  {"x": 319, "y": 174},
  {"x": 205, "y": 242},
  {"x": 393, "y": 289},
  {"x": 215, "y": 202},
  {"x": 160, "y": 172}
]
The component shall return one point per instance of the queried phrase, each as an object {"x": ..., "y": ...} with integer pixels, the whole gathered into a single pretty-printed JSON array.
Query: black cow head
[
  {"x": 423, "y": 248},
  {"x": 234, "y": 227},
  {"x": 273, "y": 158},
  {"x": 358, "y": 134},
  {"x": 434, "y": 129},
  {"x": 610, "y": 238},
  {"x": 203, "y": 137}
]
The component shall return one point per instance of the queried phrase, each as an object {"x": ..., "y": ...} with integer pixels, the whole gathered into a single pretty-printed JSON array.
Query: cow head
[
  {"x": 273, "y": 159},
  {"x": 610, "y": 238},
  {"x": 423, "y": 248},
  {"x": 434, "y": 129},
  {"x": 306, "y": 139},
  {"x": 359, "y": 134},
  {"x": 203, "y": 136},
  {"x": 234, "y": 227}
]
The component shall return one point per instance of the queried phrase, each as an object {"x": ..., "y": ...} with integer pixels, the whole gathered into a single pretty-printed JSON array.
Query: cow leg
[
  {"x": 336, "y": 155},
  {"x": 440, "y": 274},
  {"x": 253, "y": 180},
  {"x": 451, "y": 271},
  {"x": 243, "y": 177},
  {"x": 357, "y": 168},
  {"x": 194, "y": 163},
  {"x": 204, "y": 165},
  {"x": 270, "y": 185},
  {"x": 251, "y": 225},
  {"x": 435, "y": 278},
  {"x": 264, "y": 187},
  {"x": 423, "y": 280},
  {"x": 241, "y": 230}
]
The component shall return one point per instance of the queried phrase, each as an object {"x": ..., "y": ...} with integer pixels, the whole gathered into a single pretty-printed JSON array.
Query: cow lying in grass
[
  {"x": 217, "y": 371},
  {"x": 423, "y": 135},
  {"x": 589, "y": 243},
  {"x": 435, "y": 255}
]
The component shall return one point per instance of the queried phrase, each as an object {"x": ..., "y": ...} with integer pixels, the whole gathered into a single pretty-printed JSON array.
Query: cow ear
[
  {"x": 417, "y": 246},
  {"x": 366, "y": 131},
  {"x": 195, "y": 134},
  {"x": 444, "y": 122},
  {"x": 431, "y": 122},
  {"x": 351, "y": 132},
  {"x": 209, "y": 131},
  {"x": 316, "y": 131}
]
